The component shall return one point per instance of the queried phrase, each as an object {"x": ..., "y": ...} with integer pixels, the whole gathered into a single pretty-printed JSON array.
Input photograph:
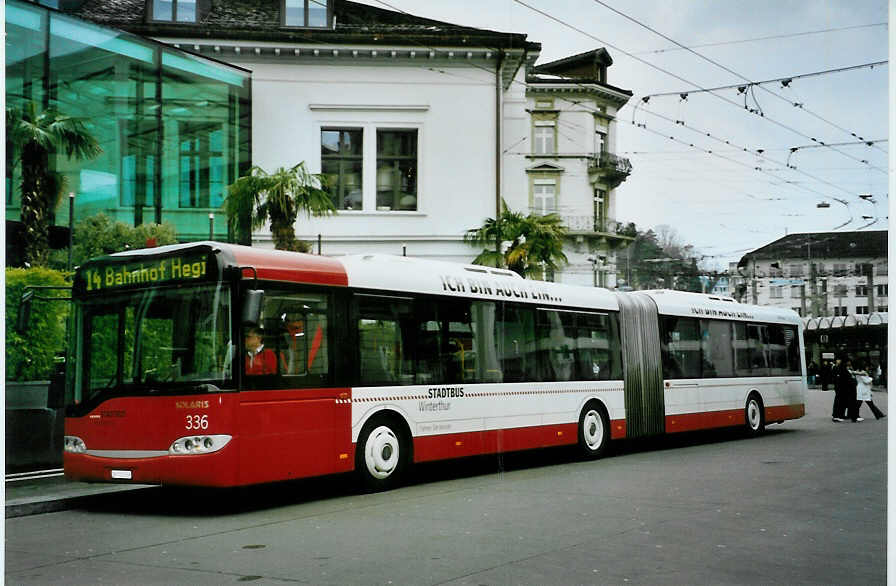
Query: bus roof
[
  {"x": 414, "y": 275},
  {"x": 682, "y": 303},
  {"x": 397, "y": 274}
]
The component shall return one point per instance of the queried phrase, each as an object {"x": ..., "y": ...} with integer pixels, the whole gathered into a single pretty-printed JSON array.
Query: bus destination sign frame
[{"x": 147, "y": 272}]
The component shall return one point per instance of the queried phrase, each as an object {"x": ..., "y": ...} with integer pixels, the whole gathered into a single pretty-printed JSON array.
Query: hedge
[{"x": 29, "y": 356}]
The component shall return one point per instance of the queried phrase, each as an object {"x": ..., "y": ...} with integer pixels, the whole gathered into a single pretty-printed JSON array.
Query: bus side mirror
[
  {"x": 252, "y": 307},
  {"x": 24, "y": 312}
]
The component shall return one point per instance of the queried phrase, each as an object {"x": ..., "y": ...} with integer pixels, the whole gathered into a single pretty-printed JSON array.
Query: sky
[{"x": 728, "y": 171}]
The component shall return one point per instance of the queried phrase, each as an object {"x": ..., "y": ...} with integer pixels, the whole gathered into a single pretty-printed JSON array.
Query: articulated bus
[{"x": 211, "y": 364}]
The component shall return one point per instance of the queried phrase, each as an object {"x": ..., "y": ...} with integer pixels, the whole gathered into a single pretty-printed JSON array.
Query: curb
[{"x": 40, "y": 505}]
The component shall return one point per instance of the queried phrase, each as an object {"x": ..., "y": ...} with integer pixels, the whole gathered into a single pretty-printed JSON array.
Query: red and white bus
[{"x": 373, "y": 363}]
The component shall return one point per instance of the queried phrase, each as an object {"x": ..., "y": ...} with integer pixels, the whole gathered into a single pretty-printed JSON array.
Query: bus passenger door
[{"x": 289, "y": 411}]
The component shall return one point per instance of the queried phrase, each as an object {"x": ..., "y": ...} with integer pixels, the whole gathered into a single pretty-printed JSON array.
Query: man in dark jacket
[{"x": 844, "y": 392}]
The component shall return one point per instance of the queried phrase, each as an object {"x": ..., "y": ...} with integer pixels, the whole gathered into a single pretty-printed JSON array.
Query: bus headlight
[
  {"x": 74, "y": 445},
  {"x": 198, "y": 444}
]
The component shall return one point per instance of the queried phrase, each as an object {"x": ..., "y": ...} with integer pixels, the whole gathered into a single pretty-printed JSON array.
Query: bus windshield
[{"x": 151, "y": 340}]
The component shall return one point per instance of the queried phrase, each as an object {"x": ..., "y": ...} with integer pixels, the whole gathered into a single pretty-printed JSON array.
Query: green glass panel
[
  {"x": 25, "y": 77},
  {"x": 23, "y": 16},
  {"x": 110, "y": 79},
  {"x": 205, "y": 69},
  {"x": 86, "y": 34}
]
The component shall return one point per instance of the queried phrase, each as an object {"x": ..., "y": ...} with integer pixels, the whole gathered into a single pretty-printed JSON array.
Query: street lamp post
[
  {"x": 211, "y": 226},
  {"x": 71, "y": 225}
]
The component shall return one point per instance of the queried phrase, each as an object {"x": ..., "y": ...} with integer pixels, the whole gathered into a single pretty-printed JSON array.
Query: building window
[
  {"x": 883, "y": 290},
  {"x": 796, "y": 270},
  {"x": 841, "y": 291},
  {"x": 544, "y": 196},
  {"x": 134, "y": 179},
  {"x": 840, "y": 311},
  {"x": 795, "y": 291},
  {"x": 861, "y": 290},
  {"x": 544, "y": 138},
  {"x": 862, "y": 309},
  {"x": 600, "y": 142},
  {"x": 341, "y": 162},
  {"x": 308, "y": 13},
  {"x": 138, "y": 163},
  {"x": 174, "y": 10},
  {"x": 882, "y": 308},
  {"x": 201, "y": 165},
  {"x": 396, "y": 170},
  {"x": 840, "y": 270},
  {"x": 600, "y": 210},
  {"x": 776, "y": 292}
]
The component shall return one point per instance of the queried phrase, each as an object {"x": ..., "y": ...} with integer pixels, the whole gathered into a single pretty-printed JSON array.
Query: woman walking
[{"x": 863, "y": 393}]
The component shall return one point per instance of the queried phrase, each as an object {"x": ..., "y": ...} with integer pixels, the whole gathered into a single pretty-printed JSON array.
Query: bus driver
[{"x": 259, "y": 360}]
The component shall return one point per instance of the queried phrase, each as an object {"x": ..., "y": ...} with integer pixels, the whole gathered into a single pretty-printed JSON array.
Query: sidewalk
[{"x": 46, "y": 495}]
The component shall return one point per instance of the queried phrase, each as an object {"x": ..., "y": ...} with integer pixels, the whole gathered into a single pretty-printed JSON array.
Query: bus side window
[
  {"x": 295, "y": 329},
  {"x": 718, "y": 353},
  {"x": 593, "y": 356},
  {"x": 384, "y": 326}
]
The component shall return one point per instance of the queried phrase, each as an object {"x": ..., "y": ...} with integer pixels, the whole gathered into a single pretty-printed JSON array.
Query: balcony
[
  {"x": 594, "y": 227},
  {"x": 611, "y": 168}
]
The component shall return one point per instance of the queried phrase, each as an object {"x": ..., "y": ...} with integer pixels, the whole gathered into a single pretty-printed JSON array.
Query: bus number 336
[{"x": 197, "y": 422}]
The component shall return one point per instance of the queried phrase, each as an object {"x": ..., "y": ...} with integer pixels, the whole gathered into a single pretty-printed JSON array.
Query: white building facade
[
  {"x": 421, "y": 127},
  {"x": 570, "y": 167},
  {"x": 820, "y": 274}
]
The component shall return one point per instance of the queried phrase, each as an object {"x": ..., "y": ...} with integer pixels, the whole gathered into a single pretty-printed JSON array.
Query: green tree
[
  {"x": 29, "y": 356},
  {"x": 35, "y": 137},
  {"x": 278, "y": 197},
  {"x": 535, "y": 242},
  {"x": 98, "y": 235},
  {"x": 658, "y": 259}
]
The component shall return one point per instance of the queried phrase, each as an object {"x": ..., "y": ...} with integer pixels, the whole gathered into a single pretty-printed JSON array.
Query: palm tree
[
  {"x": 535, "y": 242},
  {"x": 35, "y": 137},
  {"x": 279, "y": 197}
]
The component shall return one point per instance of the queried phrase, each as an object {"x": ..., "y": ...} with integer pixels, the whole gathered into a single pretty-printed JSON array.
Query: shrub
[
  {"x": 99, "y": 234},
  {"x": 29, "y": 356}
]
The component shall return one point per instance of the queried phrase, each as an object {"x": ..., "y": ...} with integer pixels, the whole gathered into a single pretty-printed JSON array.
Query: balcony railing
[
  {"x": 612, "y": 165},
  {"x": 580, "y": 224}
]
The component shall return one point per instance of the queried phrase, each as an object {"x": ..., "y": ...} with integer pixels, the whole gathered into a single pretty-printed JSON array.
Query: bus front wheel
[
  {"x": 381, "y": 455},
  {"x": 755, "y": 415},
  {"x": 594, "y": 431}
]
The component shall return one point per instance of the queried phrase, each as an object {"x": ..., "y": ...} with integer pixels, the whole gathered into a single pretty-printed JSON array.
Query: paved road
[{"x": 804, "y": 504}]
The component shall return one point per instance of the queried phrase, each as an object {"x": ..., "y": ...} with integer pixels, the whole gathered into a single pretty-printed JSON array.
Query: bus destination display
[{"x": 146, "y": 272}]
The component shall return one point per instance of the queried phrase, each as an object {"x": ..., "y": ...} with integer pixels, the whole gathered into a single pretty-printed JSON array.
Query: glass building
[{"x": 174, "y": 127}]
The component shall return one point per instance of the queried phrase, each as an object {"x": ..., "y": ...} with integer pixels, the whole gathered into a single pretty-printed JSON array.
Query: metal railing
[
  {"x": 610, "y": 162},
  {"x": 584, "y": 223}
]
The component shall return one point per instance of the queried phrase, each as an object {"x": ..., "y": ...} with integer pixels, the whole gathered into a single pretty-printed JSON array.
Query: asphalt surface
[{"x": 804, "y": 504}]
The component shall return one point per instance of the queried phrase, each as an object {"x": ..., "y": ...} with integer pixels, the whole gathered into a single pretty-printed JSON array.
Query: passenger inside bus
[{"x": 295, "y": 347}]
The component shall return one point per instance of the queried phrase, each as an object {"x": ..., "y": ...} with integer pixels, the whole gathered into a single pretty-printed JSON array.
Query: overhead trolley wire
[
  {"x": 547, "y": 15},
  {"x": 774, "y": 80},
  {"x": 767, "y": 38},
  {"x": 750, "y": 82}
]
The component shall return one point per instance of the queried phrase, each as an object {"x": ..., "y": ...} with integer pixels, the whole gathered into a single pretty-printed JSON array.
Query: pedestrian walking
[
  {"x": 811, "y": 372},
  {"x": 825, "y": 374},
  {"x": 844, "y": 392},
  {"x": 863, "y": 393}
]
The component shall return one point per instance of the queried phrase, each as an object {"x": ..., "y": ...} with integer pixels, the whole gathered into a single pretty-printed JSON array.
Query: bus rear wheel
[
  {"x": 755, "y": 415},
  {"x": 594, "y": 431},
  {"x": 381, "y": 455}
]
